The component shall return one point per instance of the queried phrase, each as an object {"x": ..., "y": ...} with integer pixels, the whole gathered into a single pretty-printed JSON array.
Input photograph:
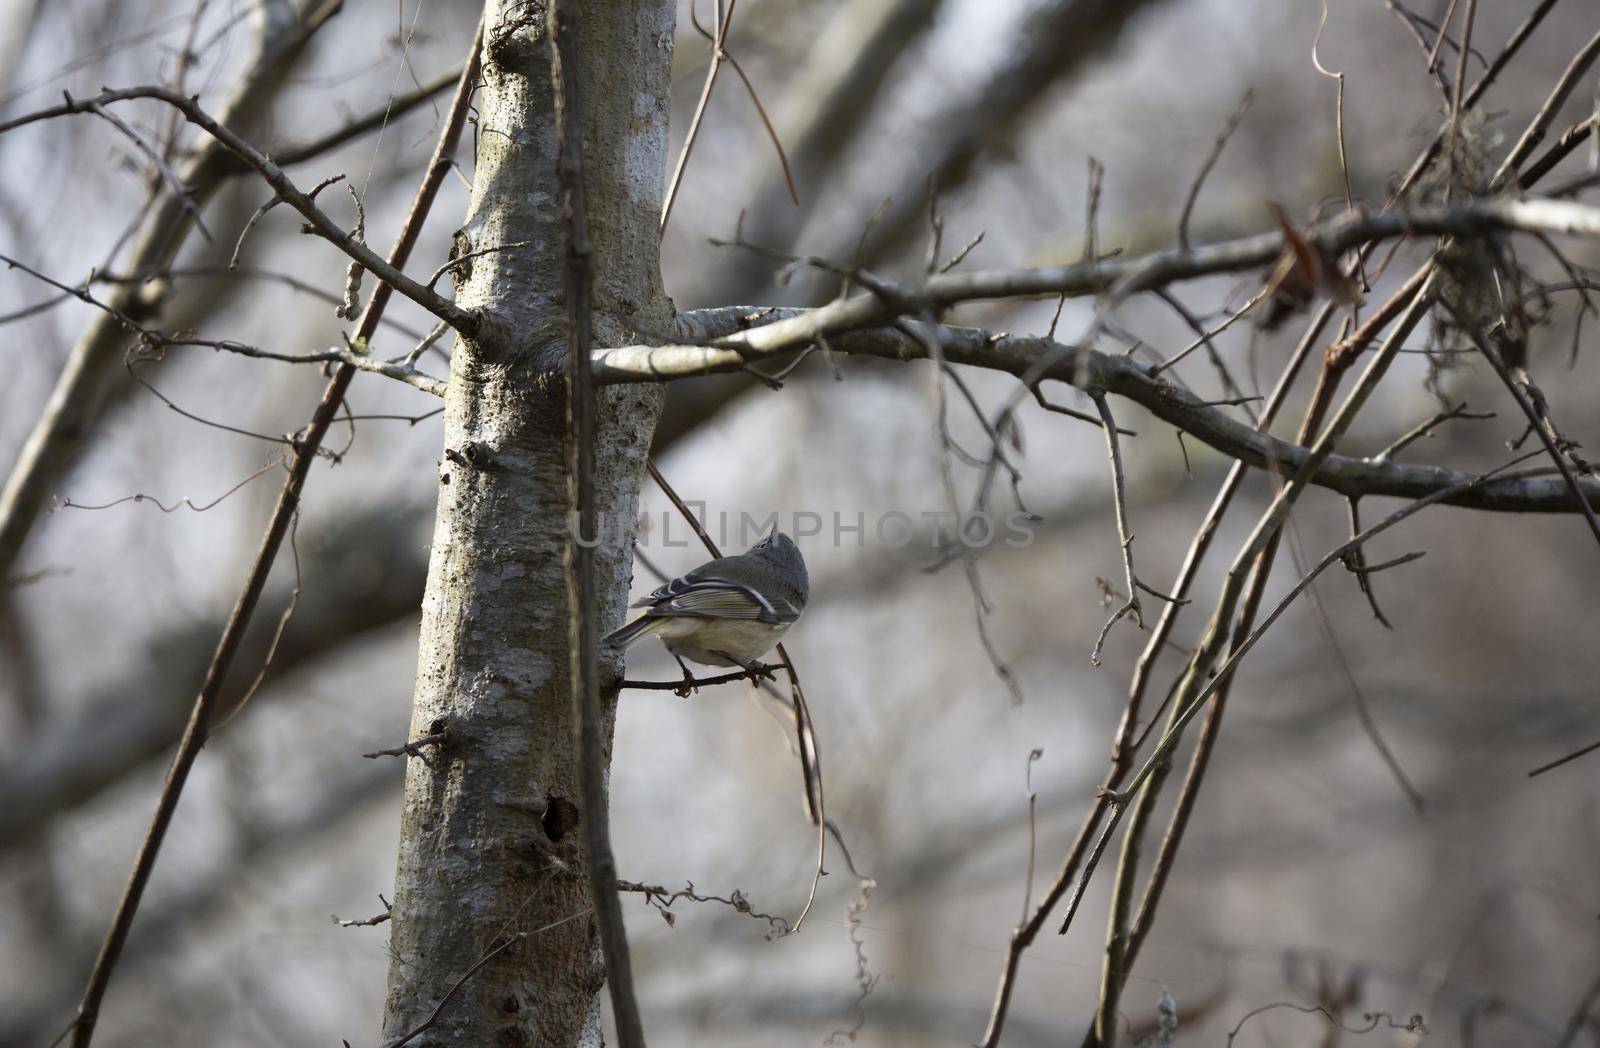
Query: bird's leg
[
  {"x": 689, "y": 683},
  {"x": 756, "y": 670}
]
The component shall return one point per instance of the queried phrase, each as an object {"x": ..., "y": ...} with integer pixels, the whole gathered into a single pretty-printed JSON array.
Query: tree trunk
[{"x": 489, "y": 851}]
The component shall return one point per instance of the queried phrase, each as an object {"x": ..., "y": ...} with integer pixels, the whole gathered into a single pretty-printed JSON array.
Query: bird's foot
[
  {"x": 756, "y": 670},
  {"x": 690, "y": 684}
]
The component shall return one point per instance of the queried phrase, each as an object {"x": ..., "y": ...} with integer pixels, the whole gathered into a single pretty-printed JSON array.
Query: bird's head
[{"x": 781, "y": 551}]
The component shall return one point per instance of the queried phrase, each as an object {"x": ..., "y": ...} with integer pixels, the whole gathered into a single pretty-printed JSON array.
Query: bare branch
[
  {"x": 414, "y": 748},
  {"x": 153, "y": 339},
  {"x": 753, "y": 674},
  {"x": 1530, "y": 491},
  {"x": 797, "y": 329},
  {"x": 1119, "y": 501},
  {"x": 280, "y": 182},
  {"x": 181, "y": 191},
  {"x": 1534, "y": 133},
  {"x": 582, "y": 607},
  {"x": 368, "y": 922},
  {"x": 1520, "y": 393},
  {"x": 1559, "y": 761},
  {"x": 392, "y": 110},
  {"x": 197, "y": 730}
]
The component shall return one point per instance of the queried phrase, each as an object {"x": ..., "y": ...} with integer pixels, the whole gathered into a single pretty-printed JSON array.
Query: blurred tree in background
[{"x": 1114, "y": 364}]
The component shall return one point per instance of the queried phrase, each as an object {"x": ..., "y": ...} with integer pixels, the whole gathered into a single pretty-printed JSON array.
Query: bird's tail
[{"x": 626, "y": 636}]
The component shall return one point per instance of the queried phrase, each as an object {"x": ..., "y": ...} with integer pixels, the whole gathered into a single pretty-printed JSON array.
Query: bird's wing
[{"x": 704, "y": 596}]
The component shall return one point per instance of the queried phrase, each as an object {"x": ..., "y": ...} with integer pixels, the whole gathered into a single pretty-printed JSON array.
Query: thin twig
[
  {"x": 414, "y": 748},
  {"x": 1426, "y": 428},
  {"x": 181, "y": 191},
  {"x": 261, "y": 212},
  {"x": 456, "y": 261},
  {"x": 1033, "y": 804},
  {"x": 280, "y": 182},
  {"x": 387, "y": 113},
  {"x": 1520, "y": 395},
  {"x": 1369, "y": 723},
  {"x": 1534, "y": 133},
  {"x": 152, "y": 340},
  {"x": 1444, "y": 28},
  {"x": 1228, "y": 128},
  {"x": 1564, "y": 146},
  {"x": 368, "y": 922},
  {"x": 662, "y": 899},
  {"x": 1338, "y": 128},
  {"x": 438, "y": 1009},
  {"x": 719, "y": 53},
  {"x": 1559, "y": 761},
  {"x": 1119, "y": 498},
  {"x": 1224, "y": 672}
]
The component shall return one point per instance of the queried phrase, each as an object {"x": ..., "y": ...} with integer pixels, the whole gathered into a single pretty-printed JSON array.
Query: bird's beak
[{"x": 774, "y": 534}]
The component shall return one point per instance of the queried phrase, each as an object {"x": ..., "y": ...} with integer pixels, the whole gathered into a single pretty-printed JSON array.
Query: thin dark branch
[
  {"x": 307, "y": 442},
  {"x": 1125, "y": 538},
  {"x": 1534, "y": 133},
  {"x": 1520, "y": 395},
  {"x": 1358, "y": 697},
  {"x": 393, "y": 110},
  {"x": 1559, "y": 761},
  {"x": 582, "y": 606},
  {"x": 1564, "y": 146},
  {"x": 151, "y": 339},
  {"x": 717, "y": 55},
  {"x": 1224, "y": 673},
  {"x": 248, "y": 273},
  {"x": 754, "y": 673},
  {"x": 182, "y": 192}
]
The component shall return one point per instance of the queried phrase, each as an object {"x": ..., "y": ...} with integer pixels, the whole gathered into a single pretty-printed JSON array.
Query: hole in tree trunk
[{"x": 560, "y": 819}]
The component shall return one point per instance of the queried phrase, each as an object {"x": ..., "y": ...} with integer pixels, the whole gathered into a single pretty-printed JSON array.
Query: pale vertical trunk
[{"x": 489, "y": 839}]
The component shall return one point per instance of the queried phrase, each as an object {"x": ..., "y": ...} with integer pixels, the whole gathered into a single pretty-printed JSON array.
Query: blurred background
[{"x": 1306, "y": 877}]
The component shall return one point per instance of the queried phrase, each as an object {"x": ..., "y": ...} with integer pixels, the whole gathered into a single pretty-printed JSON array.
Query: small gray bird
[{"x": 729, "y": 611}]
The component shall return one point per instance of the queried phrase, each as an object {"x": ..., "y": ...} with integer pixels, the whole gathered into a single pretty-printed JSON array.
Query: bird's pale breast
[{"x": 699, "y": 640}]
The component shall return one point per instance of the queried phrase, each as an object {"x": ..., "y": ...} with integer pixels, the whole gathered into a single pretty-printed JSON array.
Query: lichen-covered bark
[{"x": 489, "y": 844}]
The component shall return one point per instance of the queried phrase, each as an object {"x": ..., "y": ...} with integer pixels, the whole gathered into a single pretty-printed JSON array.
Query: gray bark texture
[{"x": 489, "y": 851}]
